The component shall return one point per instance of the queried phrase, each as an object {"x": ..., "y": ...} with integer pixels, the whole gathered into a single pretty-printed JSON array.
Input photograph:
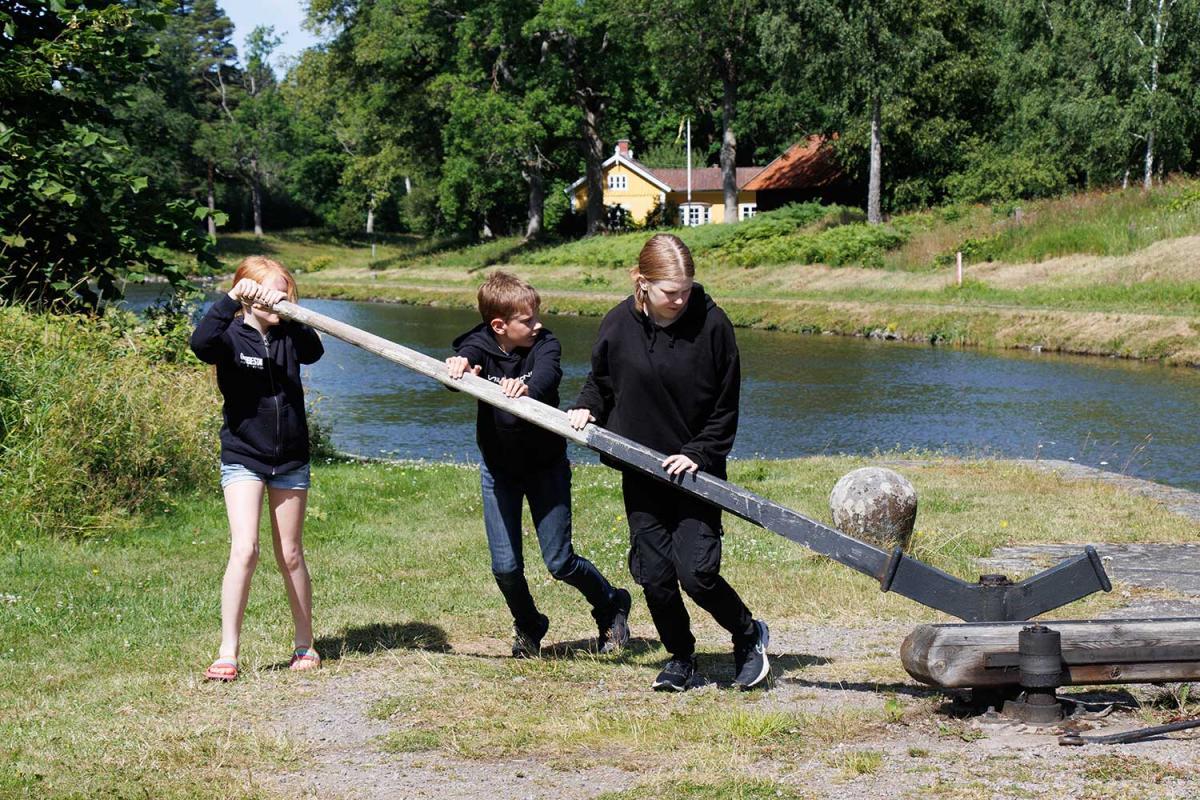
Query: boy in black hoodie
[
  {"x": 520, "y": 460},
  {"x": 666, "y": 373}
]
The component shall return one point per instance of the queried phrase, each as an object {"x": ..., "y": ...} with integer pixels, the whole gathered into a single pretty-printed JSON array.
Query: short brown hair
[
  {"x": 664, "y": 257},
  {"x": 504, "y": 295}
]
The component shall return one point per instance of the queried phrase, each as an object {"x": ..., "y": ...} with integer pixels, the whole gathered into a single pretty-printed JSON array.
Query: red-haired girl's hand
[{"x": 249, "y": 293}]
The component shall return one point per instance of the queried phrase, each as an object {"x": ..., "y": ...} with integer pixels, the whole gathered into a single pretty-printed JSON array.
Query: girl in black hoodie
[
  {"x": 666, "y": 373},
  {"x": 264, "y": 444}
]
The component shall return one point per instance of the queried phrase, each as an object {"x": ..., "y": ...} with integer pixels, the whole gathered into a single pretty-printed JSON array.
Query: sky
[{"x": 287, "y": 17}]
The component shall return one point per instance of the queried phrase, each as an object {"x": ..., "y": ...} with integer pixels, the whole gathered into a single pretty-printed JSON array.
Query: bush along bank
[{"x": 99, "y": 419}]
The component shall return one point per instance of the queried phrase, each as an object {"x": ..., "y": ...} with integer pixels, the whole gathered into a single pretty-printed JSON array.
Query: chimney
[{"x": 623, "y": 149}]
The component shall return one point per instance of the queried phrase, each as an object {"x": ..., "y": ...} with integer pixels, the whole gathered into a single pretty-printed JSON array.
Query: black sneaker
[
  {"x": 614, "y": 623},
  {"x": 750, "y": 658},
  {"x": 676, "y": 675},
  {"x": 528, "y": 644}
]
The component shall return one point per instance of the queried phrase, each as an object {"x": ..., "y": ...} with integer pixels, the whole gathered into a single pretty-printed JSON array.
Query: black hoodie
[
  {"x": 509, "y": 443},
  {"x": 674, "y": 389},
  {"x": 265, "y": 427}
]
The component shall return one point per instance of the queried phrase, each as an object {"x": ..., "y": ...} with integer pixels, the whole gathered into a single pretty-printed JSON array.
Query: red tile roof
[
  {"x": 806, "y": 165},
  {"x": 704, "y": 179}
]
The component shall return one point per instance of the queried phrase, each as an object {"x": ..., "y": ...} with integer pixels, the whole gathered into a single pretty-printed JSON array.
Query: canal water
[{"x": 801, "y": 395}]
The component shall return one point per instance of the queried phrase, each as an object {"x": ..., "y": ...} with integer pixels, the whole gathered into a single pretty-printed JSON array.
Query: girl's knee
[
  {"x": 244, "y": 555},
  {"x": 291, "y": 560}
]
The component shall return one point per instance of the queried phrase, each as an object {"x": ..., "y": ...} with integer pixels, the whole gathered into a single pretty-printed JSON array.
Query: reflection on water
[{"x": 801, "y": 395}]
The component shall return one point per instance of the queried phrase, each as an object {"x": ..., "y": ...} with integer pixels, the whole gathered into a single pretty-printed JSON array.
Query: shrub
[
  {"x": 993, "y": 175},
  {"x": 318, "y": 263},
  {"x": 98, "y": 419}
]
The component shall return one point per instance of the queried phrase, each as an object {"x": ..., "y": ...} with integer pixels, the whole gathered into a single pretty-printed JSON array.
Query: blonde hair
[
  {"x": 504, "y": 295},
  {"x": 664, "y": 257},
  {"x": 259, "y": 268}
]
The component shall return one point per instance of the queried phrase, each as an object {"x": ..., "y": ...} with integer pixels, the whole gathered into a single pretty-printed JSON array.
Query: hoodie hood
[{"x": 689, "y": 322}]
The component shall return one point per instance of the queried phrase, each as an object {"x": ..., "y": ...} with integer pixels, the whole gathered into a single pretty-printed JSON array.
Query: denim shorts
[{"x": 296, "y": 479}]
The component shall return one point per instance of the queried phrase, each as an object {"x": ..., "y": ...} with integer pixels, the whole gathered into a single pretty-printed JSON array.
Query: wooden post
[
  {"x": 526, "y": 408},
  {"x": 958, "y": 267}
]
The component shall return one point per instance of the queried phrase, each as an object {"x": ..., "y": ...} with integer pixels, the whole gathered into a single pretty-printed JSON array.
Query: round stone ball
[{"x": 875, "y": 504}]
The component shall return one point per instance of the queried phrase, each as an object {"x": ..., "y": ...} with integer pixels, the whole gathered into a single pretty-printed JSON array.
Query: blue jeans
[{"x": 549, "y": 493}]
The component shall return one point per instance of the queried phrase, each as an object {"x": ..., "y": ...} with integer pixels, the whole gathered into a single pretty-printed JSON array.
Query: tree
[
  {"x": 251, "y": 138},
  {"x": 385, "y": 57},
  {"x": 72, "y": 216},
  {"x": 719, "y": 37},
  {"x": 591, "y": 46},
  {"x": 878, "y": 48},
  {"x": 508, "y": 115}
]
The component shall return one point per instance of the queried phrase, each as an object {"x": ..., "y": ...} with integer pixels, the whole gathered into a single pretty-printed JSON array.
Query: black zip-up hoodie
[
  {"x": 265, "y": 426},
  {"x": 506, "y": 442},
  {"x": 674, "y": 389}
]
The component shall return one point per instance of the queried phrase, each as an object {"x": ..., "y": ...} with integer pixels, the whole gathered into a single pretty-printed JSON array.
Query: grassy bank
[
  {"x": 1114, "y": 273},
  {"x": 102, "y": 640}
]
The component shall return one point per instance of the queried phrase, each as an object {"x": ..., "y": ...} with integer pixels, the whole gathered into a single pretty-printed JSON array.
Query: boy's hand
[
  {"x": 579, "y": 418},
  {"x": 679, "y": 464},
  {"x": 513, "y": 387},
  {"x": 457, "y": 366}
]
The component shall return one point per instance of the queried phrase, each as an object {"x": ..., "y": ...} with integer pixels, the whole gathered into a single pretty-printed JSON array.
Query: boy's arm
[
  {"x": 715, "y": 439},
  {"x": 547, "y": 369},
  {"x": 208, "y": 340}
]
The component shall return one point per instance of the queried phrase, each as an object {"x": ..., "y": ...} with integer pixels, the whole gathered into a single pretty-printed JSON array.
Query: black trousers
[{"x": 675, "y": 542}]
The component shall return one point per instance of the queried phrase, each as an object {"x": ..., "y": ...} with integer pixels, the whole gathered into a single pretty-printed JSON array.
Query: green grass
[{"x": 102, "y": 640}]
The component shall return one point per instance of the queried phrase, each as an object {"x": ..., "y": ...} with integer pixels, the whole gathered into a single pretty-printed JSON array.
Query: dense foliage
[
  {"x": 77, "y": 212},
  {"x": 469, "y": 117}
]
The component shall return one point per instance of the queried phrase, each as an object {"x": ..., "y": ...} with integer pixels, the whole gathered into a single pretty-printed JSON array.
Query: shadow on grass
[
  {"x": 384, "y": 636},
  {"x": 230, "y": 246},
  {"x": 1094, "y": 702},
  {"x": 868, "y": 687},
  {"x": 506, "y": 255},
  {"x": 591, "y": 648}
]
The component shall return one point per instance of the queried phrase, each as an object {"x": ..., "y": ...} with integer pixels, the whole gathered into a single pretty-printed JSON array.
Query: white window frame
[
  {"x": 618, "y": 183},
  {"x": 747, "y": 210},
  {"x": 694, "y": 214}
]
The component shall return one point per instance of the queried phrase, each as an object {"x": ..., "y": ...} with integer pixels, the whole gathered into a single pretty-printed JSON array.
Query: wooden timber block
[{"x": 981, "y": 655}]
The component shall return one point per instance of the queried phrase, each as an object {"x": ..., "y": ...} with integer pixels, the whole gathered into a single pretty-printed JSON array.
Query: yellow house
[{"x": 638, "y": 188}]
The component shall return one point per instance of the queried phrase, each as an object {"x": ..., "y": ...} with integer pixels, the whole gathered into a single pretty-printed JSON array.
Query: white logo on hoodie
[{"x": 251, "y": 361}]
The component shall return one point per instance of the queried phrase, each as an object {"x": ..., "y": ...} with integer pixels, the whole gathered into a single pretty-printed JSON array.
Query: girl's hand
[
  {"x": 244, "y": 291},
  {"x": 252, "y": 293},
  {"x": 513, "y": 387},
  {"x": 679, "y": 464},
  {"x": 579, "y": 418},
  {"x": 457, "y": 366}
]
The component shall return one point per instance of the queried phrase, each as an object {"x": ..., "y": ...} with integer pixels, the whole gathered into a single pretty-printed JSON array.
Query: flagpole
[{"x": 688, "y": 216}]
